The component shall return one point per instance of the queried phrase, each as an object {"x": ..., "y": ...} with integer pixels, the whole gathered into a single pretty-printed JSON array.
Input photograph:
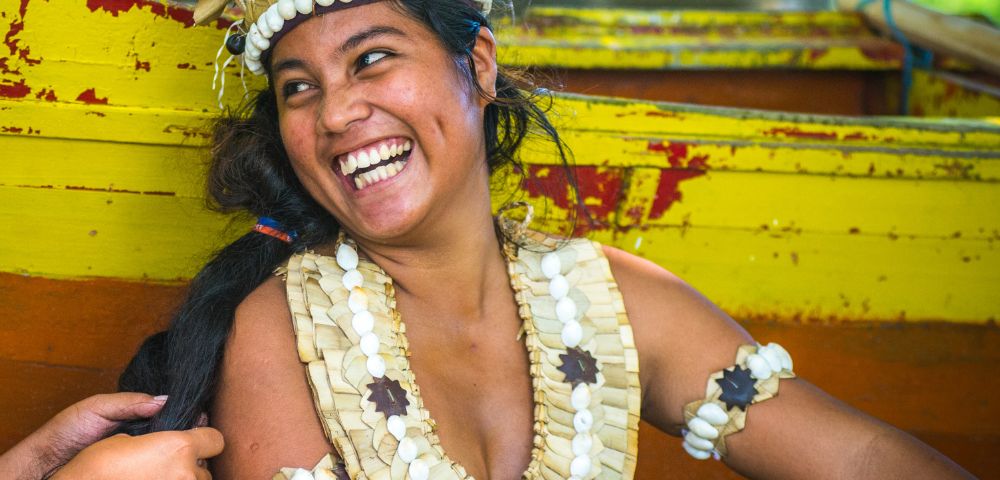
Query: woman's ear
[{"x": 484, "y": 58}]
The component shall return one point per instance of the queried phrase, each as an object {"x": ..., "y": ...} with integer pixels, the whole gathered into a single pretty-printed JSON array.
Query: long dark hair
[{"x": 250, "y": 173}]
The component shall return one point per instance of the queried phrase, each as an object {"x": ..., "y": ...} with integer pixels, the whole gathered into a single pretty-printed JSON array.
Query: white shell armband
[{"x": 754, "y": 378}]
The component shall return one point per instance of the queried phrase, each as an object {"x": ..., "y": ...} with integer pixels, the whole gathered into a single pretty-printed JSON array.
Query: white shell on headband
[
  {"x": 287, "y": 9},
  {"x": 258, "y": 41},
  {"x": 304, "y": 7},
  {"x": 273, "y": 19},
  {"x": 263, "y": 27}
]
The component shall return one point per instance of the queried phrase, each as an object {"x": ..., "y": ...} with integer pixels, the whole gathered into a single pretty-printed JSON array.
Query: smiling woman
[{"x": 368, "y": 158}]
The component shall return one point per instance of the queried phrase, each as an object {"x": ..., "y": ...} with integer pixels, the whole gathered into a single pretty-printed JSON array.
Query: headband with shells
[{"x": 269, "y": 19}]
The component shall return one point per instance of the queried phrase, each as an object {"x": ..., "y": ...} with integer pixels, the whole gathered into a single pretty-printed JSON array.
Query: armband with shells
[{"x": 753, "y": 379}]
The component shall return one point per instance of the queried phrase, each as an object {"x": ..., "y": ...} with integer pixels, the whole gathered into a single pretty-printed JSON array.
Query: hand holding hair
[
  {"x": 169, "y": 454},
  {"x": 72, "y": 430}
]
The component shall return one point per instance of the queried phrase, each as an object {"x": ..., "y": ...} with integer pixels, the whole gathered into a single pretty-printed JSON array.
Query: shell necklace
[{"x": 586, "y": 406}]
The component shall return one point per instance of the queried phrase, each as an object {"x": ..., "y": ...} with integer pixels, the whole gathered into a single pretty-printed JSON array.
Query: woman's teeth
[
  {"x": 383, "y": 172},
  {"x": 368, "y": 157}
]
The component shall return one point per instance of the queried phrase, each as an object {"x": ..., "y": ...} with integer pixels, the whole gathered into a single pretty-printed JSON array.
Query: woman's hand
[{"x": 161, "y": 455}]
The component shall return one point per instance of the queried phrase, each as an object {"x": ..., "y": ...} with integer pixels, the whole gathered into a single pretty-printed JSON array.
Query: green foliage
[{"x": 989, "y": 9}]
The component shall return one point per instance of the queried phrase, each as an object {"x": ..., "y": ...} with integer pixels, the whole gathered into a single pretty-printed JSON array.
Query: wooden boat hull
[{"x": 868, "y": 247}]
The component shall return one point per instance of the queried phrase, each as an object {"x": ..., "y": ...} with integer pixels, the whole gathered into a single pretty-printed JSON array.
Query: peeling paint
[
  {"x": 114, "y": 7},
  {"x": 795, "y": 132},
  {"x": 600, "y": 189},
  {"x": 187, "y": 131},
  {"x": 16, "y": 27},
  {"x": 668, "y": 192},
  {"x": 47, "y": 95},
  {"x": 678, "y": 155},
  {"x": 956, "y": 95},
  {"x": 14, "y": 90},
  {"x": 89, "y": 96}
]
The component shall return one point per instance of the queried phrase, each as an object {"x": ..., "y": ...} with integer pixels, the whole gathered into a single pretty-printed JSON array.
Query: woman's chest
[
  {"x": 477, "y": 388},
  {"x": 394, "y": 397}
]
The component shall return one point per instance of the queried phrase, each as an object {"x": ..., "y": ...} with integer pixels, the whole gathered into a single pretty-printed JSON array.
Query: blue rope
[{"x": 913, "y": 56}]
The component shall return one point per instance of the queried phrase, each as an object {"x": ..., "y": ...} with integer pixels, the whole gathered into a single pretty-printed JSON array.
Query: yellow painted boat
[{"x": 865, "y": 244}]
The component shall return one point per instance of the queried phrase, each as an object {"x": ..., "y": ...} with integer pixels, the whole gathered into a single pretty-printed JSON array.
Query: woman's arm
[
  {"x": 802, "y": 433},
  {"x": 264, "y": 404}
]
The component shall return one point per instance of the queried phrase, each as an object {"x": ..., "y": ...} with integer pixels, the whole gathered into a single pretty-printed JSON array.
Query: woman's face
[{"x": 378, "y": 122}]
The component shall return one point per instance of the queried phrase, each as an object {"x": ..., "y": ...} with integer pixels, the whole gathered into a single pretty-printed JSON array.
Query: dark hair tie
[{"x": 473, "y": 32}]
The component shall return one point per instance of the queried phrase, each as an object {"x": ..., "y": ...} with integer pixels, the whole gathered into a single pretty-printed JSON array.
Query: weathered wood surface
[
  {"x": 812, "y": 62},
  {"x": 818, "y": 232},
  {"x": 692, "y": 39}
]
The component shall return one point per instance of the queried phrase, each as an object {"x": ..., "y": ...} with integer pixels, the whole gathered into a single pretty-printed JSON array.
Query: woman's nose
[{"x": 341, "y": 108}]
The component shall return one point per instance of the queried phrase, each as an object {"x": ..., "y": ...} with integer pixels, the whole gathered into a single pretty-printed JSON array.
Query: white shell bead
[
  {"x": 286, "y": 8},
  {"x": 698, "y": 442},
  {"x": 407, "y": 450},
  {"x": 574, "y": 477},
  {"x": 254, "y": 66},
  {"x": 773, "y": 360},
  {"x": 759, "y": 367},
  {"x": 713, "y": 414},
  {"x": 347, "y": 256},
  {"x": 363, "y": 322},
  {"x": 302, "y": 474},
  {"x": 786, "y": 359},
  {"x": 551, "y": 265},
  {"x": 369, "y": 344},
  {"x": 580, "y": 466},
  {"x": 251, "y": 57},
  {"x": 566, "y": 309},
  {"x": 274, "y": 20},
  {"x": 580, "y": 399},
  {"x": 583, "y": 421},
  {"x": 304, "y": 6},
  {"x": 263, "y": 27},
  {"x": 694, "y": 452},
  {"x": 582, "y": 444},
  {"x": 559, "y": 287},
  {"x": 418, "y": 468},
  {"x": 396, "y": 427},
  {"x": 702, "y": 428},
  {"x": 376, "y": 366},
  {"x": 572, "y": 334},
  {"x": 258, "y": 40},
  {"x": 357, "y": 301},
  {"x": 352, "y": 278}
]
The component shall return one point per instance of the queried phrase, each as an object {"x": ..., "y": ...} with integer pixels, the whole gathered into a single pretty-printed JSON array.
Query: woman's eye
[
  {"x": 370, "y": 58},
  {"x": 291, "y": 88}
]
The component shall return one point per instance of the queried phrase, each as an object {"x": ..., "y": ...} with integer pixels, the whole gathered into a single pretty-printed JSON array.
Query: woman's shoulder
[
  {"x": 651, "y": 290},
  {"x": 264, "y": 405},
  {"x": 680, "y": 335}
]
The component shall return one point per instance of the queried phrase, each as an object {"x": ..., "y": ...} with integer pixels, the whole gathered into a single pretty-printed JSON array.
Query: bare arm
[
  {"x": 264, "y": 405},
  {"x": 802, "y": 433}
]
